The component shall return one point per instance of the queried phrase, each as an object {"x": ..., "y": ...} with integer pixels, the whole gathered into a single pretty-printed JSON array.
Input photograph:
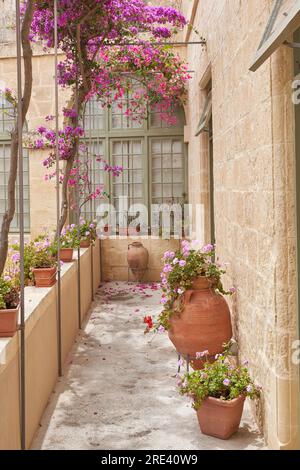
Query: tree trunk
[
  {"x": 14, "y": 149},
  {"x": 69, "y": 165}
]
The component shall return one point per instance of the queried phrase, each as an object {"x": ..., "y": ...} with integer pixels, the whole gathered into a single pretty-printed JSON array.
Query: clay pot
[
  {"x": 204, "y": 323},
  {"x": 8, "y": 322},
  {"x": 219, "y": 418},
  {"x": 85, "y": 243},
  {"x": 137, "y": 258},
  {"x": 44, "y": 277},
  {"x": 66, "y": 255}
]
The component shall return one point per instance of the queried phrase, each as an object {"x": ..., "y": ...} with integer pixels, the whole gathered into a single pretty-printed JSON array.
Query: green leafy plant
[
  {"x": 88, "y": 230},
  {"x": 180, "y": 270},
  {"x": 69, "y": 237},
  {"x": 220, "y": 379},
  {"x": 9, "y": 293},
  {"x": 39, "y": 253}
]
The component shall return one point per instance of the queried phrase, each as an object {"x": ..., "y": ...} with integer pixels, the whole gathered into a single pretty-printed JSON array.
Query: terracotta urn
[
  {"x": 204, "y": 323},
  {"x": 220, "y": 418},
  {"x": 66, "y": 255},
  {"x": 8, "y": 322},
  {"x": 85, "y": 243},
  {"x": 137, "y": 258},
  {"x": 44, "y": 277}
]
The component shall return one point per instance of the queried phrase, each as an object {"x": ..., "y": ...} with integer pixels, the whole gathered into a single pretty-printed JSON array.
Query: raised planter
[
  {"x": 8, "y": 322},
  {"x": 220, "y": 418},
  {"x": 204, "y": 323},
  {"x": 66, "y": 255},
  {"x": 44, "y": 277}
]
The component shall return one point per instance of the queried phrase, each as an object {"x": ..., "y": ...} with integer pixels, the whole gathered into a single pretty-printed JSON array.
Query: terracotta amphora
[
  {"x": 204, "y": 324},
  {"x": 220, "y": 418},
  {"x": 137, "y": 258}
]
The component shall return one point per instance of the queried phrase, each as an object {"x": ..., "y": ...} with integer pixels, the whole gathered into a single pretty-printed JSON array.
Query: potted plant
[
  {"x": 39, "y": 261},
  {"x": 43, "y": 263},
  {"x": 88, "y": 232},
  {"x": 9, "y": 306},
  {"x": 218, "y": 392},
  {"x": 195, "y": 312},
  {"x": 69, "y": 240}
]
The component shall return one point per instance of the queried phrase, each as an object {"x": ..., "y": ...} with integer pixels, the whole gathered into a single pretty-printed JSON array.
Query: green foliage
[
  {"x": 69, "y": 237},
  {"x": 88, "y": 230},
  {"x": 9, "y": 293},
  {"x": 39, "y": 253},
  {"x": 220, "y": 379}
]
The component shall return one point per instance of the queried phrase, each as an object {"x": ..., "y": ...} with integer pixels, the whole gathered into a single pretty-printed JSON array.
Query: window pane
[
  {"x": 167, "y": 173},
  {"x": 96, "y": 175},
  {"x": 122, "y": 116},
  {"x": 156, "y": 121},
  {"x": 130, "y": 182},
  {"x": 4, "y": 175},
  {"x": 94, "y": 116},
  {"x": 7, "y": 115}
]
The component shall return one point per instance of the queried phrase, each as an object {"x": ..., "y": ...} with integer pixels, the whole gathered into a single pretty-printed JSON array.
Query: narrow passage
[{"x": 119, "y": 388}]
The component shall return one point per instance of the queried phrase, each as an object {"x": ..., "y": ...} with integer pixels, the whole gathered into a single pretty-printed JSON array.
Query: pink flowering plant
[
  {"x": 70, "y": 238},
  {"x": 220, "y": 379},
  {"x": 10, "y": 96},
  {"x": 39, "y": 253},
  {"x": 180, "y": 270},
  {"x": 88, "y": 230},
  {"x": 105, "y": 45}
]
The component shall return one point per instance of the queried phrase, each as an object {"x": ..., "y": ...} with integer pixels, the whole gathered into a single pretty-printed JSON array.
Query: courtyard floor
[{"x": 118, "y": 390}]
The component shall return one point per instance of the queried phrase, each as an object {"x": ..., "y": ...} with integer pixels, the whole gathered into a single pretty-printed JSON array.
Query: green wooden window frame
[
  {"x": 7, "y": 120},
  {"x": 145, "y": 132}
]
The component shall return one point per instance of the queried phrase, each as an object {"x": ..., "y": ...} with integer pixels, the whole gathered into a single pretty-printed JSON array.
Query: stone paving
[{"x": 119, "y": 388}]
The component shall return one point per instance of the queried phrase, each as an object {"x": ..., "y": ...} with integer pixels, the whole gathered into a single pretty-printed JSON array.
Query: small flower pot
[
  {"x": 66, "y": 255},
  {"x": 44, "y": 277},
  {"x": 8, "y": 322},
  {"x": 85, "y": 243},
  {"x": 219, "y": 418}
]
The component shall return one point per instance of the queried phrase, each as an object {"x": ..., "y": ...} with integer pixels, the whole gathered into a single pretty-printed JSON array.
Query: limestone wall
[
  {"x": 253, "y": 138},
  {"x": 114, "y": 257}
]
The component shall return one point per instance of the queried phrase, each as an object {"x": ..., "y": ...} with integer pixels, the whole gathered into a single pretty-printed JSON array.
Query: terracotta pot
[
  {"x": 44, "y": 277},
  {"x": 204, "y": 323},
  {"x": 66, "y": 255},
  {"x": 219, "y": 418},
  {"x": 137, "y": 258},
  {"x": 8, "y": 322},
  {"x": 85, "y": 243}
]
